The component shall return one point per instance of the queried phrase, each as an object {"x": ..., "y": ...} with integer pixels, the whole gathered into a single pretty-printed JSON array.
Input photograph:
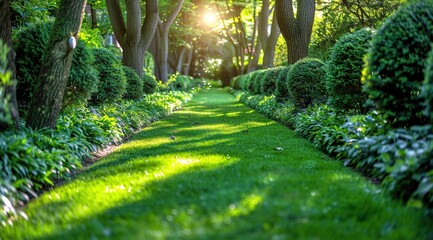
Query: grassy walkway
[{"x": 212, "y": 171}]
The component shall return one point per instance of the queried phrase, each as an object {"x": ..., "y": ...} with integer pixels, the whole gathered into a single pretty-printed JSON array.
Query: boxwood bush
[
  {"x": 343, "y": 72},
  {"x": 134, "y": 88},
  {"x": 149, "y": 82},
  {"x": 306, "y": 82},
  {"x": 396, "y": 62},
  {"x": 269, "y": 81},
  {"x": 83, "y": 78},
  {"x": 427, "y": 91},
  {"x": 29, "y": 44},
  {"x": 281, "y": 91},
  {"x": 112, "y": 81}
]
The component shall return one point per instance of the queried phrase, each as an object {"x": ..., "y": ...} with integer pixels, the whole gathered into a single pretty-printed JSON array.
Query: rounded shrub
[
  {"x": 427, "y": 91},
  {"x": 395, "y": 66},
  {"x": 29, "y": 44},
  {"x": 134, "y": 89},
  {"x": 112, "y": 81},
  {"x": 149, "y": 82},
  {"x": 306, "y": 82},
  {"x": 255, "y": 82},
  {"x": 244, "y": 81},
  {"x": 269, "y": 81},
  {"x": 180, "y": 82},
  {"x": 83, "y": 77},
  {"x": 343, "y": 74},
  {"x": 281, "y": 91}
]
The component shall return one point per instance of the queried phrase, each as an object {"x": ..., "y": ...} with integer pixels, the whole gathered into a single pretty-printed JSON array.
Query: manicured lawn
[{"x": 212, "y": 171}]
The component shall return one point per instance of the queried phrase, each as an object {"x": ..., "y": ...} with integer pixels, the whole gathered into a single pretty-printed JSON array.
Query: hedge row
[
  {"x": 393, "y": 142},
  {"x": 96, "y": 74},
  {"x": 32, "y": 160},
  {"x": 399, "y": 158}
]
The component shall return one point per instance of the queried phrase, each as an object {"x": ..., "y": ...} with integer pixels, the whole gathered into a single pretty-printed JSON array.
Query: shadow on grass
[{"x": 256, "y": 192}]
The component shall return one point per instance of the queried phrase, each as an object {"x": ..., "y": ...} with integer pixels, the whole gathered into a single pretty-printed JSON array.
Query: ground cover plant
[
  {"x": 34, "y": 159},
  {"x": 218, "y": 170}
]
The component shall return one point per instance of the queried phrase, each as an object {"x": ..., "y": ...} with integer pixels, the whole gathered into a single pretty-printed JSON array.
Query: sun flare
[{"x": 209, "y": 18}]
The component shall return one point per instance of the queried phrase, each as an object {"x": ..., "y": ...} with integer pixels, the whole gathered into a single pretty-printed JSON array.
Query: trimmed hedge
[
  {"x": 112, "y": 80},
  {"x": 269, "y": 79},
  {"x": 396, "y": 62},
  {"x": 134, "y": 89},
  {"x": 83, "y": 78},
  {"x": 343, "y": 74},
  {"x": 306, "y": 82},
  {"x": 29, "y": 44},
  {"x": 281, "y": 92}
]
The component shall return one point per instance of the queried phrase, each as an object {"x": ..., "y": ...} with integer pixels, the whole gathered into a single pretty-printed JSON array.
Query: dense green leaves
[
  {"x": 306, "y": 82},
  {"x": 134, "y": 86},
  {"x": 112, "y": 80},
  {"x": 343, "y": 74},
  {"x": 396, "y": 62}
]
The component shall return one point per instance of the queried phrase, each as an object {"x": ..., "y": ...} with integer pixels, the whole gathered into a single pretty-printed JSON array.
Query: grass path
[{"x": 218, "y": 177}]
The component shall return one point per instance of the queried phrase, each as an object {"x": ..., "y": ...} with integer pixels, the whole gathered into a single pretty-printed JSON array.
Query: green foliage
[
  {"x": 319, "y": 124},
  {"x": 92, "y": 37},
  {"x": 269, "y": 81},
  {"x": 31, "y": 160},
  {"x": 112, "y": 81},
  {"x": 281, "y": 91},
  {"x": 178, "y": 82},
  {"x": 343, "y": 74},
  {"x": 83, "y": 77},
  {"x": 5, "y": 116},
  {"x": 149, "y": 82},
  {"x": 396, "y": 62},
  {"x": 336, "y": 18},
  {"x": 427, "y": 90},
  {"x": 29, "y": 44},
  {"x": 135, "y": 85},
  {"x": 256, "y": 81},
  {"x": 306, "y": 82},
  {"x": 401, "y": 158},
  {"x": 25, "y": 12},
  {"x": 149, "y": 63}
]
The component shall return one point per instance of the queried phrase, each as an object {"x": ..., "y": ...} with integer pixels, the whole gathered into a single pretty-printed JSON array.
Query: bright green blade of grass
[{"x": 212, "y": 171}]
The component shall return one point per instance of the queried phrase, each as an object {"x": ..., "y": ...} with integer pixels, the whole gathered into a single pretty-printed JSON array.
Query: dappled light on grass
[{"x": 212, "y": 171}]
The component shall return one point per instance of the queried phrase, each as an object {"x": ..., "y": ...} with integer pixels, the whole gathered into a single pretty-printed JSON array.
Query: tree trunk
[
  {"x": 181, "y": 59},
  {"x": 47, "y": 99},
  {"x": 93, "y": 16},
  {"x": 269, "y": 51},
  {"x": 296, "y": 31},
  {"x": 132, "y": 35},
  {"x": 163, "y": 64},
  {"x": 164, "y": 40},
  {"x": 6, "y": 35},
  {"x": 187, "y": 65},
  {"x": 253, "y": 64},
  {"x": 135, "y": 58}
]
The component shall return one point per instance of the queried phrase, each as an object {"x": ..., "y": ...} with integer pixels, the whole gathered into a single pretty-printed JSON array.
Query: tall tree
[
  {"x": 6, "y": 35},
  {"x": 296, "y": 30},
  {"x": 164, "y": 27},
  {"x": 133, "y": 37},
  {"x": 48, "y": 95}
]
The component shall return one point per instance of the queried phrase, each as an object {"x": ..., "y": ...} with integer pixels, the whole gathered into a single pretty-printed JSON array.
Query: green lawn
[{"x": 211, "y": 171}]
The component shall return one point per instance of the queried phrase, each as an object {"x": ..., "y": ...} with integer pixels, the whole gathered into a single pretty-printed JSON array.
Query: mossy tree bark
[
  {"x": 133, "y": 37},
  {"x": 296, "y": 31},
  {"x": 47, "y": 99},
  {"x": 6, "y": 35}
]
